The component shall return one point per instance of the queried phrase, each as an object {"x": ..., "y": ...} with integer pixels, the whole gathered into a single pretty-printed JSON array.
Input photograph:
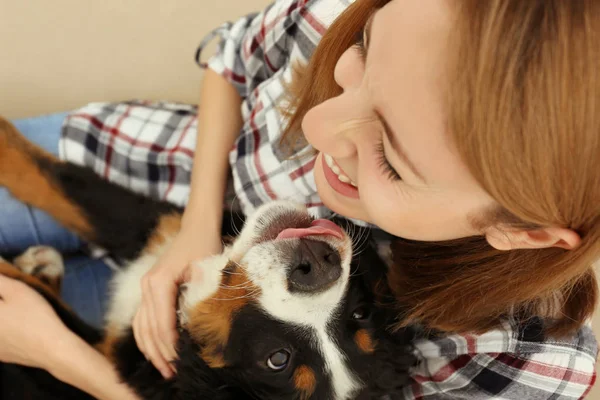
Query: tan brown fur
[
  {"x": 168, "y": 226},
  {"x": 53, "y": 283},
  {"x": 305, "y": 381},
  {"x": 111, "y": 337},
  {"x": 210, "y": 321},
  {"x": 364, "y": 341}
]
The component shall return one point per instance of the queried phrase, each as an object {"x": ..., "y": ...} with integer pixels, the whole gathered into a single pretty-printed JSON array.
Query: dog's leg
[
  {"x": 20, "y": 173},
  {"x": 110, "y": 216}
]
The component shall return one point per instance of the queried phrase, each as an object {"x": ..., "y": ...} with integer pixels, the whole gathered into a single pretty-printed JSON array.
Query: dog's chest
[{"x": 126, "y": 289}]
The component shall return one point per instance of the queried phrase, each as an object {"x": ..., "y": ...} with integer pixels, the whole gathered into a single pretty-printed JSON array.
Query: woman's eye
[
  {"x": 359, "y": 44},
  {"x": 385, "y": 165},
  {"x": 361, "y": 313},
  {"x": 278, "y": 361}
]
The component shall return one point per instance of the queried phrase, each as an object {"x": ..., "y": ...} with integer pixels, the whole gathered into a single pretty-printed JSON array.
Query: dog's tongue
[{"x": 321, "y": 227}]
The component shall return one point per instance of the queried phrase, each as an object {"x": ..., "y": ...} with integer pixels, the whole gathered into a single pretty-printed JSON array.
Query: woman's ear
[{"x": 532, "y": 239}]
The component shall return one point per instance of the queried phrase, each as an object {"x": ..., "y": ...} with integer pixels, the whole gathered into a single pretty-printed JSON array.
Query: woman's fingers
[
  {"x": 137, "y": 332},
  {"x": 152, "y": 351},
  {"x": 160, "y": 315},
  {"x": 155, "y": 328}
]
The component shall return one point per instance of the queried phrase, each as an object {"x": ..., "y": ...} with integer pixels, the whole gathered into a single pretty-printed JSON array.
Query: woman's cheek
[
  {"x": 373, "y": 187},
  {"x": 386, "y": 204},
  {"x": 376, "y": 198}
]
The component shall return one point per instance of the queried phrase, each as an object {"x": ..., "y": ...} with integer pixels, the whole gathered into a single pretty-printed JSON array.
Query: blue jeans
[{"x": 86, "y": 280}]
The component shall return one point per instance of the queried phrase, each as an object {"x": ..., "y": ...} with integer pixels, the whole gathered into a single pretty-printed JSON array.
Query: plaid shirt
[{"x": 148, "y": 147}]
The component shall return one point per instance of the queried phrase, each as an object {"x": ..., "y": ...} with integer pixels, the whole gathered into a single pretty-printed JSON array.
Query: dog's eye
[
  {"x": 361, "y": 313},
  {"x": 278, "y": 360}
]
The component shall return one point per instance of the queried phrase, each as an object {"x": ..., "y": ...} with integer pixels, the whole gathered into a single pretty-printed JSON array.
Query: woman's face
[{"x": 394, "y": 163}]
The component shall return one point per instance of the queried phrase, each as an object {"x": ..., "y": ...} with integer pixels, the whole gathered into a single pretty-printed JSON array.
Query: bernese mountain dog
[{"x": 287, "y": 311}]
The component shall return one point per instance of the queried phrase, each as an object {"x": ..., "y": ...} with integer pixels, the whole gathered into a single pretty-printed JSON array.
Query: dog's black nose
[{"x": 315, "y": 267}]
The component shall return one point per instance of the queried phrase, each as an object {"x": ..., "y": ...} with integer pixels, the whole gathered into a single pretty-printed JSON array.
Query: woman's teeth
[{"x": 336, "y": 170}]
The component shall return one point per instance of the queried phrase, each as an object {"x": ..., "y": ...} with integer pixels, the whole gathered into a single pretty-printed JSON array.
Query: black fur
[{"x": 123, "y": 222}]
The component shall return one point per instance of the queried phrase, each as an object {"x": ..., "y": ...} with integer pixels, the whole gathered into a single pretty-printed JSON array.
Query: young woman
[{"x": 469, "y": 129}]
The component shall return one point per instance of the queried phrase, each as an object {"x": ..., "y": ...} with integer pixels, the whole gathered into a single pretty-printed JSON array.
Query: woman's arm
[
  {"x": 219, "y": 123},
  {"x": 31, "y": 334},
  {"x": 78, "y": 364}
]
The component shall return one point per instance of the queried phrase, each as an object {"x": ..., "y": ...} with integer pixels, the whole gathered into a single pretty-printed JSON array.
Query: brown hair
[{"x": 523, "y": 107}]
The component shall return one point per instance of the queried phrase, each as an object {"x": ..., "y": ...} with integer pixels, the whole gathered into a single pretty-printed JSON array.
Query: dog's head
[{"x": 278, "y": 316}]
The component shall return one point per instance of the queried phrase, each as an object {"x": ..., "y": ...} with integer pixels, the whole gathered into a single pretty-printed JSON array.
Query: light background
[{"x": 58, "y": 55}]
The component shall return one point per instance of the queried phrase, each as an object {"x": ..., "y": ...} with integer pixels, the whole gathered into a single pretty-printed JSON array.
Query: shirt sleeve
[
  {"x": 548, "y": 375},
  {"x": 257, "y": 45}
]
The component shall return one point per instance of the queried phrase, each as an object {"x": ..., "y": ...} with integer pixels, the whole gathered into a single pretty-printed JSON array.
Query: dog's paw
[{"x": 43, "y": 262}]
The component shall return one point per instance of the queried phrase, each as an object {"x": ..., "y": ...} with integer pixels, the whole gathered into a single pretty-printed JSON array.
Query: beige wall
[{"x": 60, "y": 54}]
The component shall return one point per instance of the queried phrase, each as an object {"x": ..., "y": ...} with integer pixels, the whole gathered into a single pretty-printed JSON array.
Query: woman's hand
[
  {"x": 31, "y": 334},
  {"x": 30, "y": 329},
  {"x": 154, "y": 325}
]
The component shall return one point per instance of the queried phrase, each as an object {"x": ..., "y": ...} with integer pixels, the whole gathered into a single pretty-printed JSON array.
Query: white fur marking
[
  {"x": 126, "y": 287},
  {"x": 268, "y": 271},
  {"x": 45, "y": 256}
]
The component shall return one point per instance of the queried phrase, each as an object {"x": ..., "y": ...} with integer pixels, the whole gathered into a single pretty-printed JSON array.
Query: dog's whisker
[
  {"x": 232, "y": 273},
  {"x": 360, "y": 242},
  {"x": 228, "y": 272},
  {"x": 246, "y": 296},
  {"x": 244, "y": 285}
]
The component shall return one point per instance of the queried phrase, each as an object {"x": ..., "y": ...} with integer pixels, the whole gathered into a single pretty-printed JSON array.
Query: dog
[{"x": 287, "y": 311}]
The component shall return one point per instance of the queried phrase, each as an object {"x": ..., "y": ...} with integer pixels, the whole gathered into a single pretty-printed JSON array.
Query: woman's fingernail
[{"x": 172, "y": 365}]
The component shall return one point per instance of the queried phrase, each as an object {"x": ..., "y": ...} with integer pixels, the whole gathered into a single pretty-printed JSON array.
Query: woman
[{"x": 466, "y": 128}]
